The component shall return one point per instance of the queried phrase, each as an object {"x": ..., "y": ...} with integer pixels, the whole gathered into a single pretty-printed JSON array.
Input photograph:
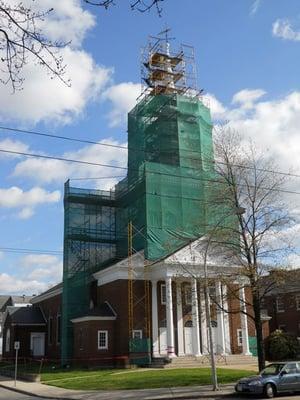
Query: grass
[{"x": 137, "y": 379}]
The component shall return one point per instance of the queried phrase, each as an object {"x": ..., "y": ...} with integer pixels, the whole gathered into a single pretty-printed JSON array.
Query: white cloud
[
  {"x": 43, "y": 267},
  {"x": 273, "y": 126},
  {"x": 13, "y": 145},
  {"x": 123, "y": 98},
  {"x": 37, "y": 273},
  {"x": 68, "y": 21},
  {"x": 254, "y": 7},
  {"x": 46, "y": 99},
  {"x": 218, "y": 111},
  {"x": 49, "y": 99},
  {"x": 26, "y": 201},
  {"x": 247, "y": 97},
  {"x": 283, "y": 28},
  {"x": 48, "y": 171},
  {"x": 26, "y": 213},
  {"x": 13, "y": 285}
]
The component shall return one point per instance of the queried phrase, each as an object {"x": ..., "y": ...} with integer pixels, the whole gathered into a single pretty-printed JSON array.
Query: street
[
  {"x": 233, "y": 397},
  {"x": 11, "y": 395}
]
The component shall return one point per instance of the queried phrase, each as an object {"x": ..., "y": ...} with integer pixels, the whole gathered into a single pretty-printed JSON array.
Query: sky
[{"x": 247, "y": 55}]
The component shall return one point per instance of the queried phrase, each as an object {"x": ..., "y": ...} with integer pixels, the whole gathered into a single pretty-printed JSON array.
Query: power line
[
  {"x": 86, "y": 141},
  {"x": 101, "y": 177},
  {"x": 25, "y": 250},
  {"x": 133, "y": 169}
]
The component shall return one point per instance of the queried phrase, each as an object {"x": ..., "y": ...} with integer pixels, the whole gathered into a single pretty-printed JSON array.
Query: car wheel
[{"x": 269, "y": 391}]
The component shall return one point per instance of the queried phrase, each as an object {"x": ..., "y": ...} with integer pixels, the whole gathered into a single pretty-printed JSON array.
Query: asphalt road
[
  {"x": 10, "y": 395},
  {"x": 280, "y": 397}
]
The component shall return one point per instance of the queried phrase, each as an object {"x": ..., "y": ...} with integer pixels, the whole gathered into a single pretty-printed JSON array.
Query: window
[
  {"x": 240, "y": 337},
  {"x": 163, "y": 294},
  {"x": 102, "y": 340},
  {"x": 7, "y": 340},
  {"x": 50, "y": 331},
  {"x": 279, "y": 304},
  {"x": 137, "y": 334},
  {"x": 290, "y": 368},
  {"x": 298, "y": 302},
  {"x": 188, "y": 295},
  {"x": 80, "y": 339},
  {"x": 58, "y": 328}
]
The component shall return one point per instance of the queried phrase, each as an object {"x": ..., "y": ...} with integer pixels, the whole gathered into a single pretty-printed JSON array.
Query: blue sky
[{"x": 247, "y": 54}]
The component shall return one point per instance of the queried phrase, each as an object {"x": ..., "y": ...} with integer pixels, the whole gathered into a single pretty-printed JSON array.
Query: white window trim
[
  {"x": 188, "y": 295},
  {"x": 139, "y": 331},
  {"x": 298, "y": 302},
  {"x": 163, "y": 294},
  {"x": 278, "y": 309},
  {"x": 105, "y": 347},
  {"x": 239, "y": 337}
]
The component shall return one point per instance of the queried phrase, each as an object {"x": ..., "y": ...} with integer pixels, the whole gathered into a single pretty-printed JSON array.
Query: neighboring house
[
  {"x": 6, "y": 301},
  {"x": 283, "y": 304}
]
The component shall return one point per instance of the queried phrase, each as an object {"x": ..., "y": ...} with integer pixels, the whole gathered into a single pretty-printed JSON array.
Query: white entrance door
[
  {"x": 188, "y": 340},
  {"x": 37, "y": 344},
  {"x": 163, "y": 340}
]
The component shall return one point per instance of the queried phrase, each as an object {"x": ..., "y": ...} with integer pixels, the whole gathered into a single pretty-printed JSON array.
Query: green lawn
[{"x": 138, "y": 379}]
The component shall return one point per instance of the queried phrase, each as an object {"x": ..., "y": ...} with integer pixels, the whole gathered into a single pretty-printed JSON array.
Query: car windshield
[{"x": 272, "y": 369}]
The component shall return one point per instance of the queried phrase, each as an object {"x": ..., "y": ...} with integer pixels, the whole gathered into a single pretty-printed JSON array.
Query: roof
[
  {"x": 21, "y": 299},
  {"x": 3, "y": 302},
  {"x": 30, "y": 315},
  {"x": 102, "y": 312},
  {"x": 283, "y": 281},
  {"x": 53, "y": 291}
]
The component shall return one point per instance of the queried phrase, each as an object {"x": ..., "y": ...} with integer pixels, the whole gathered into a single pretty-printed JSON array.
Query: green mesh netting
[{"x": 164, "y": 195}]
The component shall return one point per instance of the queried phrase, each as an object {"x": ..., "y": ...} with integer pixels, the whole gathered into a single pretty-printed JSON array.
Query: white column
[
  {"x": 170, "y": 323},
  {"x": 244, "y": 323},
  {"x": 226, "y": 322},
  {"x": 155, "y": 346},
  {"x": 220, "y": 320},
  {"x": 204, "y": 336},
  {"x": 179, "y": 320},
  {"x": 195, "y": 314}
]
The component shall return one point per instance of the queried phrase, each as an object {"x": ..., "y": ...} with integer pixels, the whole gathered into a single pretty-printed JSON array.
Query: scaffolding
[
  {"x": 89, "y": 243},
  {"x": 138, "y": 304},
  {"x": 162, "y": 203}
]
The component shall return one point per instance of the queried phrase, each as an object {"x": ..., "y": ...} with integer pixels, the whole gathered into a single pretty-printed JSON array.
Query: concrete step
[{"x": 194, "y": 362}]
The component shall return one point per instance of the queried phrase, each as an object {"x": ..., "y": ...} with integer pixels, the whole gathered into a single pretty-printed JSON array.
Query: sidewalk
[{"x": 52, "y": 392}]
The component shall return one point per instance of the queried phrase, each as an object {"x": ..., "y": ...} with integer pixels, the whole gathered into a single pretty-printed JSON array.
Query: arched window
[
  {"x": 188, "y": 324},
  {"x": 7, "y": 340}
]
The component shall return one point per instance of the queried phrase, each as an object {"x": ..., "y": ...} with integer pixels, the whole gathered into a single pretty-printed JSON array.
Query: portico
[{"x": 178, "y": 321}]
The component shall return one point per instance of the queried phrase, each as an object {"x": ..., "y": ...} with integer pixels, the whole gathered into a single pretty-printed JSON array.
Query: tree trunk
[{"x": 259, "y": 332}]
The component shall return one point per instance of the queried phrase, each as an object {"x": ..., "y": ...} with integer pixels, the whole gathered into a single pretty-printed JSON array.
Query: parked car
[{"x": 275, "y": 378}]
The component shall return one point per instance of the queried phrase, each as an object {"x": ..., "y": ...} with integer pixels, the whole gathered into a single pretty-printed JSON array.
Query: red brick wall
[
  {"x": 290, "y": 317},
  {"x": 52, "y": 308},
  {"x": 116, "y": 293},
  {"x": 20, "y": 334},
  {"x": 86, "y": 342}
]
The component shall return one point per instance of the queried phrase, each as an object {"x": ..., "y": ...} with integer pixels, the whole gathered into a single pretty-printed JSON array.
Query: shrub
[{"x": 281, "y": 346}]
